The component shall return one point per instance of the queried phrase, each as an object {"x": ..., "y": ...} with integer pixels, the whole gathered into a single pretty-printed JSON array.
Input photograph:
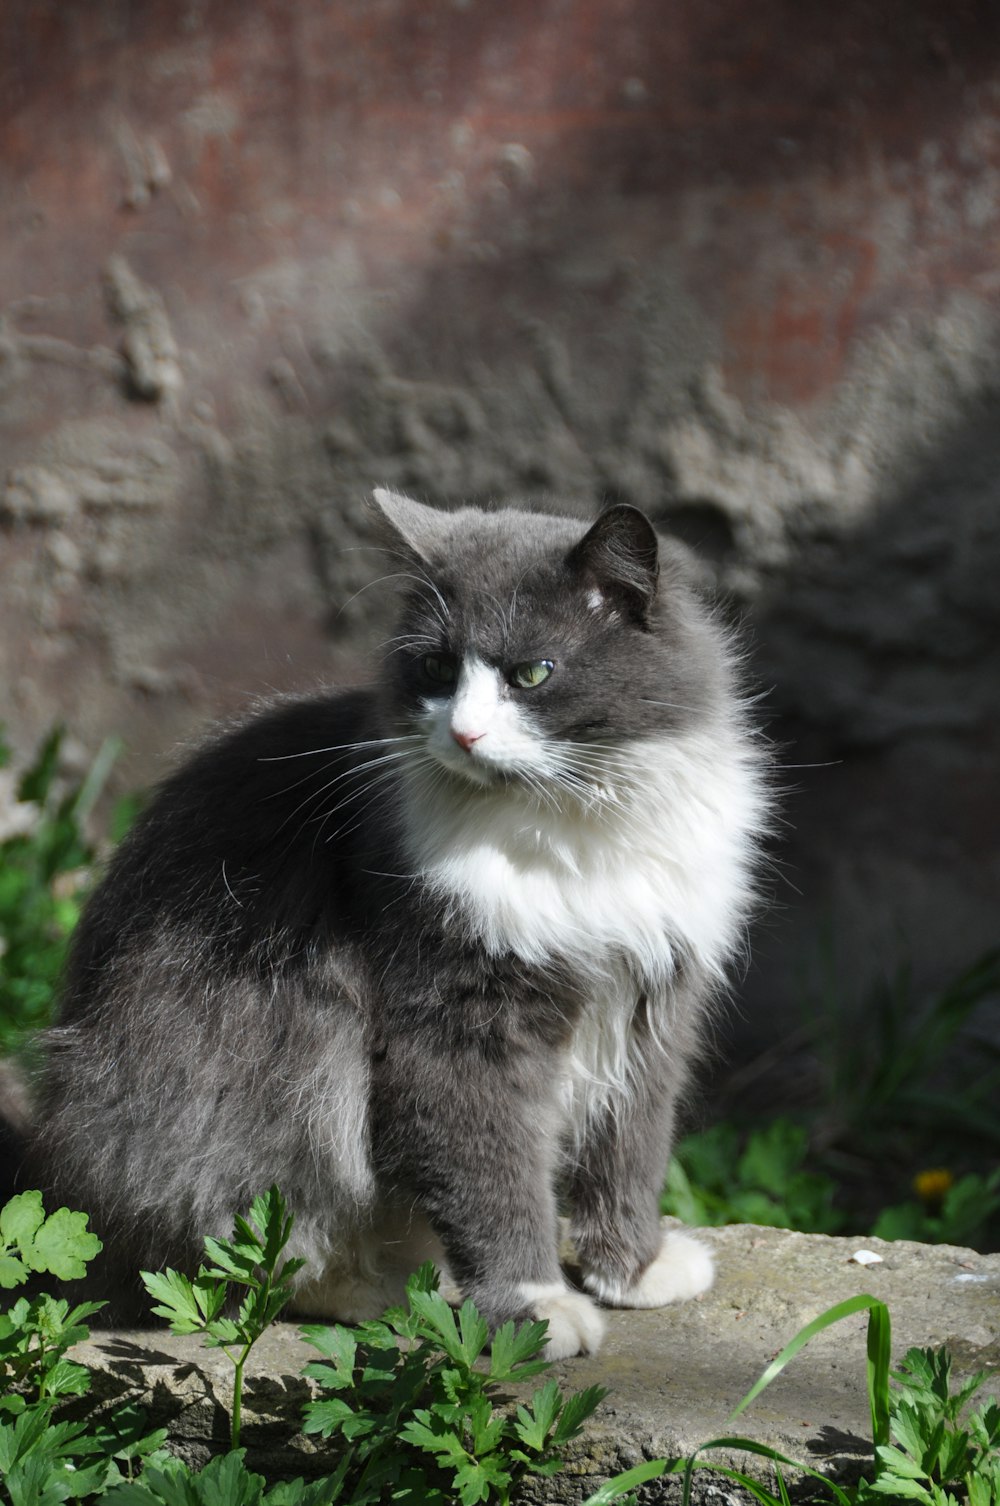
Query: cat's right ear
[
  {"x": 619, "y": 556},
  {"x": 417, "y": 530}
]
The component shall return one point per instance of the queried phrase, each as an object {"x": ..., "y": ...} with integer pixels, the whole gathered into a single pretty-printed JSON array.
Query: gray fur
[{"x": 265, "y": 987}]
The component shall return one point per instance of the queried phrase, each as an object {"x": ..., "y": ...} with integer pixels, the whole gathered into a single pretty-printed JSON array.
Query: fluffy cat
[{"x": 435, "y": 953}]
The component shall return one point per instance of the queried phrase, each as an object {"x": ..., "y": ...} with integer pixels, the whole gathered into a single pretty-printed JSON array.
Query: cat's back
[{"x": 248, "y": 849}]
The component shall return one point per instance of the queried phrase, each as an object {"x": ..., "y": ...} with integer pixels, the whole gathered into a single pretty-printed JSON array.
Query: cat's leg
[
  {"x": 369, "y": 1271},
  {"x": 615, "y": 1183},
  {"x": 475, "y": 1141}
]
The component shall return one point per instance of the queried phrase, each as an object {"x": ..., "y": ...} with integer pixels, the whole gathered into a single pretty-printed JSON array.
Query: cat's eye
[
  {"x": 527, "y": 676},
  {"x": 439, "y": 668}
]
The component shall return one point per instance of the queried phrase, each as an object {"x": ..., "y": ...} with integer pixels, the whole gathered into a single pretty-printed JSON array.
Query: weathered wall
[{"x": 735, "y": 262}]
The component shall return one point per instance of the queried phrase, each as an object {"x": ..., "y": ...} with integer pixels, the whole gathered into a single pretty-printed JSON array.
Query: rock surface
[{"x": 673, "y": 1375}]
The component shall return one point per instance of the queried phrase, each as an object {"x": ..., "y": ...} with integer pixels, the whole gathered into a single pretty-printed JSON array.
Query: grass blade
[
  {"x": 619, "y": 1484},
  {"x": 763, "y": 1451},
  {"x": 824, "y": 1320},
  {"x": 879, "y": 1360}
]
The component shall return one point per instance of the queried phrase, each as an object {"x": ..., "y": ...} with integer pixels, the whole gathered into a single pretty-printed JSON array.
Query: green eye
[
  {"x": 441, "y": 670},
  {"x": 527, "y": 676}
]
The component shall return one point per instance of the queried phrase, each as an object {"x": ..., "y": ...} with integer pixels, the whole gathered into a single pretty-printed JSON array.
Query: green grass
[{"x": 47, "y": 866}]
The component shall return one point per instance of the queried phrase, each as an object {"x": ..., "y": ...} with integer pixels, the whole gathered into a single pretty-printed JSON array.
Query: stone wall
[{"x": 736, "y": 263}]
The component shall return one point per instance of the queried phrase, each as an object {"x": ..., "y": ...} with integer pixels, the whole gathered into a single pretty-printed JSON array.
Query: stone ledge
[{"x": 673, "y": 1374}]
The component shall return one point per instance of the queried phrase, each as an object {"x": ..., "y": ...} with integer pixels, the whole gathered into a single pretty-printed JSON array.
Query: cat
[{"x": 433, "y": 954}]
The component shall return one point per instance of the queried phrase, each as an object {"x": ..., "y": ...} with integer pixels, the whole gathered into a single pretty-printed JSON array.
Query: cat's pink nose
[{"x": 466, "y": 739}]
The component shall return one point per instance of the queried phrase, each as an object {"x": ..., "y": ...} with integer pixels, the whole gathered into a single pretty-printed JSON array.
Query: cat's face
[{"x": 531, "y": 648}]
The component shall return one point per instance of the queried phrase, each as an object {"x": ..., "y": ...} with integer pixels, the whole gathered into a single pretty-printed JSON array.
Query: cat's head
[{"x": 532, "y": 648}]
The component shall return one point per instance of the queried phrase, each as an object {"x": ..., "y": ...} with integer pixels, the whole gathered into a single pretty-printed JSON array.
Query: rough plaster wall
[{"x": 255, "y": 259}]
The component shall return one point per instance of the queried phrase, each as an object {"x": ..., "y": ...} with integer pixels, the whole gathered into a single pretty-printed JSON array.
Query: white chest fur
[
  {"x": 658, "y": 865},
  {"x": 657, "y": 868}
]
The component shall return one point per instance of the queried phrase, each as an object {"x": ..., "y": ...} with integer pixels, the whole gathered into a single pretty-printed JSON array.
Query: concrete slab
[{"x": 674, "y": 1375}]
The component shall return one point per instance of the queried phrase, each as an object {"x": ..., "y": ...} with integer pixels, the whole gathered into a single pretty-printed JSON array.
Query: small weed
[
  {"x": 250, "y": 1260},
  {"x": 711, "y": 1180},
  {"x": 926, "y": 1445},
  {"x": 46, "y": 866},
  {"x": 44, "y": 1461},
  {"x": 408, "y": 1402},
  {"x": 416, "y": 1416}
]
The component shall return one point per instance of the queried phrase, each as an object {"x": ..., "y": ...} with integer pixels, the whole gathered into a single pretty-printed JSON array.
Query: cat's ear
[
  {"x": 620, "y": 556},
  {"x": 409, "y": 525}
]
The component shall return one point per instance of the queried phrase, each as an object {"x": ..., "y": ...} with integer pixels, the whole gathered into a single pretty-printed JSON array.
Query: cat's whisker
[
  {"x": 393, "y": 575},
  {"x": 358, "y": 770},
  {"x": 498, "y": 612},
  {"x": 318, "y": 774},
  {"x": 371, "y": 777},
  {"x": 342, "y": 830},
  {"x": 670, "y": 705},
  {"x": 409, "y": 643},
  {"x": 380, "y": 777},
  {"x": 372, "y": 742}
]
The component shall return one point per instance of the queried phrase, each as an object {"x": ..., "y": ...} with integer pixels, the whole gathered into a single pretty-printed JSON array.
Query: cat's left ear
[
  {"x": 620, "y": 555},
  {"x": 419, "y": 530}
]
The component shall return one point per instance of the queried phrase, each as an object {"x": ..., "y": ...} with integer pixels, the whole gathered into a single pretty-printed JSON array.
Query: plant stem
[{"x": 238, "y": 1396}]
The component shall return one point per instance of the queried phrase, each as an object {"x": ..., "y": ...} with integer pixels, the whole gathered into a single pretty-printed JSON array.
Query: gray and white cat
[{"x": 435, "y": 954}]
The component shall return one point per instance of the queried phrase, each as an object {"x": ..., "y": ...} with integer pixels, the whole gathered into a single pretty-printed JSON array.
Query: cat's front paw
[
  {"x": 684, "y": 1268},
  {"x": 575, "y": 1325}
]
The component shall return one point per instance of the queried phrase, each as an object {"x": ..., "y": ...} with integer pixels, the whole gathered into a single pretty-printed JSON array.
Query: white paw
[
  {"x": 575, "y": 1325},
  {"x": 684, "y": 1268}
]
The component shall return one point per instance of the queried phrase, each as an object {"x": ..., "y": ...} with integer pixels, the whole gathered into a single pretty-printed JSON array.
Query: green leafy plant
[
  {"x": 405, "y": 1397},
  {"x": 224, "y": 1481},
  {"x": 251, "y": 1261},
  {"x": 410, "y": 1400},
  {"x": 46, "y": 865},
  {"x": 888, "y": 1063},
  {"x": 900, "y": 1085},
  {"x": 924, "y": 1446},
  {"x": 43, "y": 1460},
  {"x": 35, "y": 1335},
  {"x": 711, "y": 1180},
  {"x": 965, "y": 1208}
]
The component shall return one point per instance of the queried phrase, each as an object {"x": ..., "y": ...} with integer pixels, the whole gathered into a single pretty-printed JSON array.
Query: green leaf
[
  {"x": 35, "y": 782},
  {"x": 429, "y": 1433},
  {"x": 475, "y": 1479},
  {"x": 486, "y": 1427},
  {"x": 13, "y": 1272},
  {"x": 63, "y": 1245},
  {"x": 899, "y": 1465},
  {"x": 326, "y": 1416},
  {"x": 515, "y": 1353},
  {"x": 176, "y": 1298},
  {"x": 21, "y": 1218},
  {"x": 67, "y": 1378},
  {"x": 879, "y": 1354},
  {"x": 230, "y": 1260},
  {"x": 337, "y": 1343},
  {"x": 825, "y": 1319},
  {"x": 576, "y": 1409},
  {"x": 439, "y": 1321},
  {"x": 750, "y": 1446},
  {"x": 616, "y": 1487},
  {"x": 474, "y": 1332},
  {"x": 123, "y": 1434},
  {"x": 209, "y": 1296},
  {"x": 533, "y": 1426}
]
